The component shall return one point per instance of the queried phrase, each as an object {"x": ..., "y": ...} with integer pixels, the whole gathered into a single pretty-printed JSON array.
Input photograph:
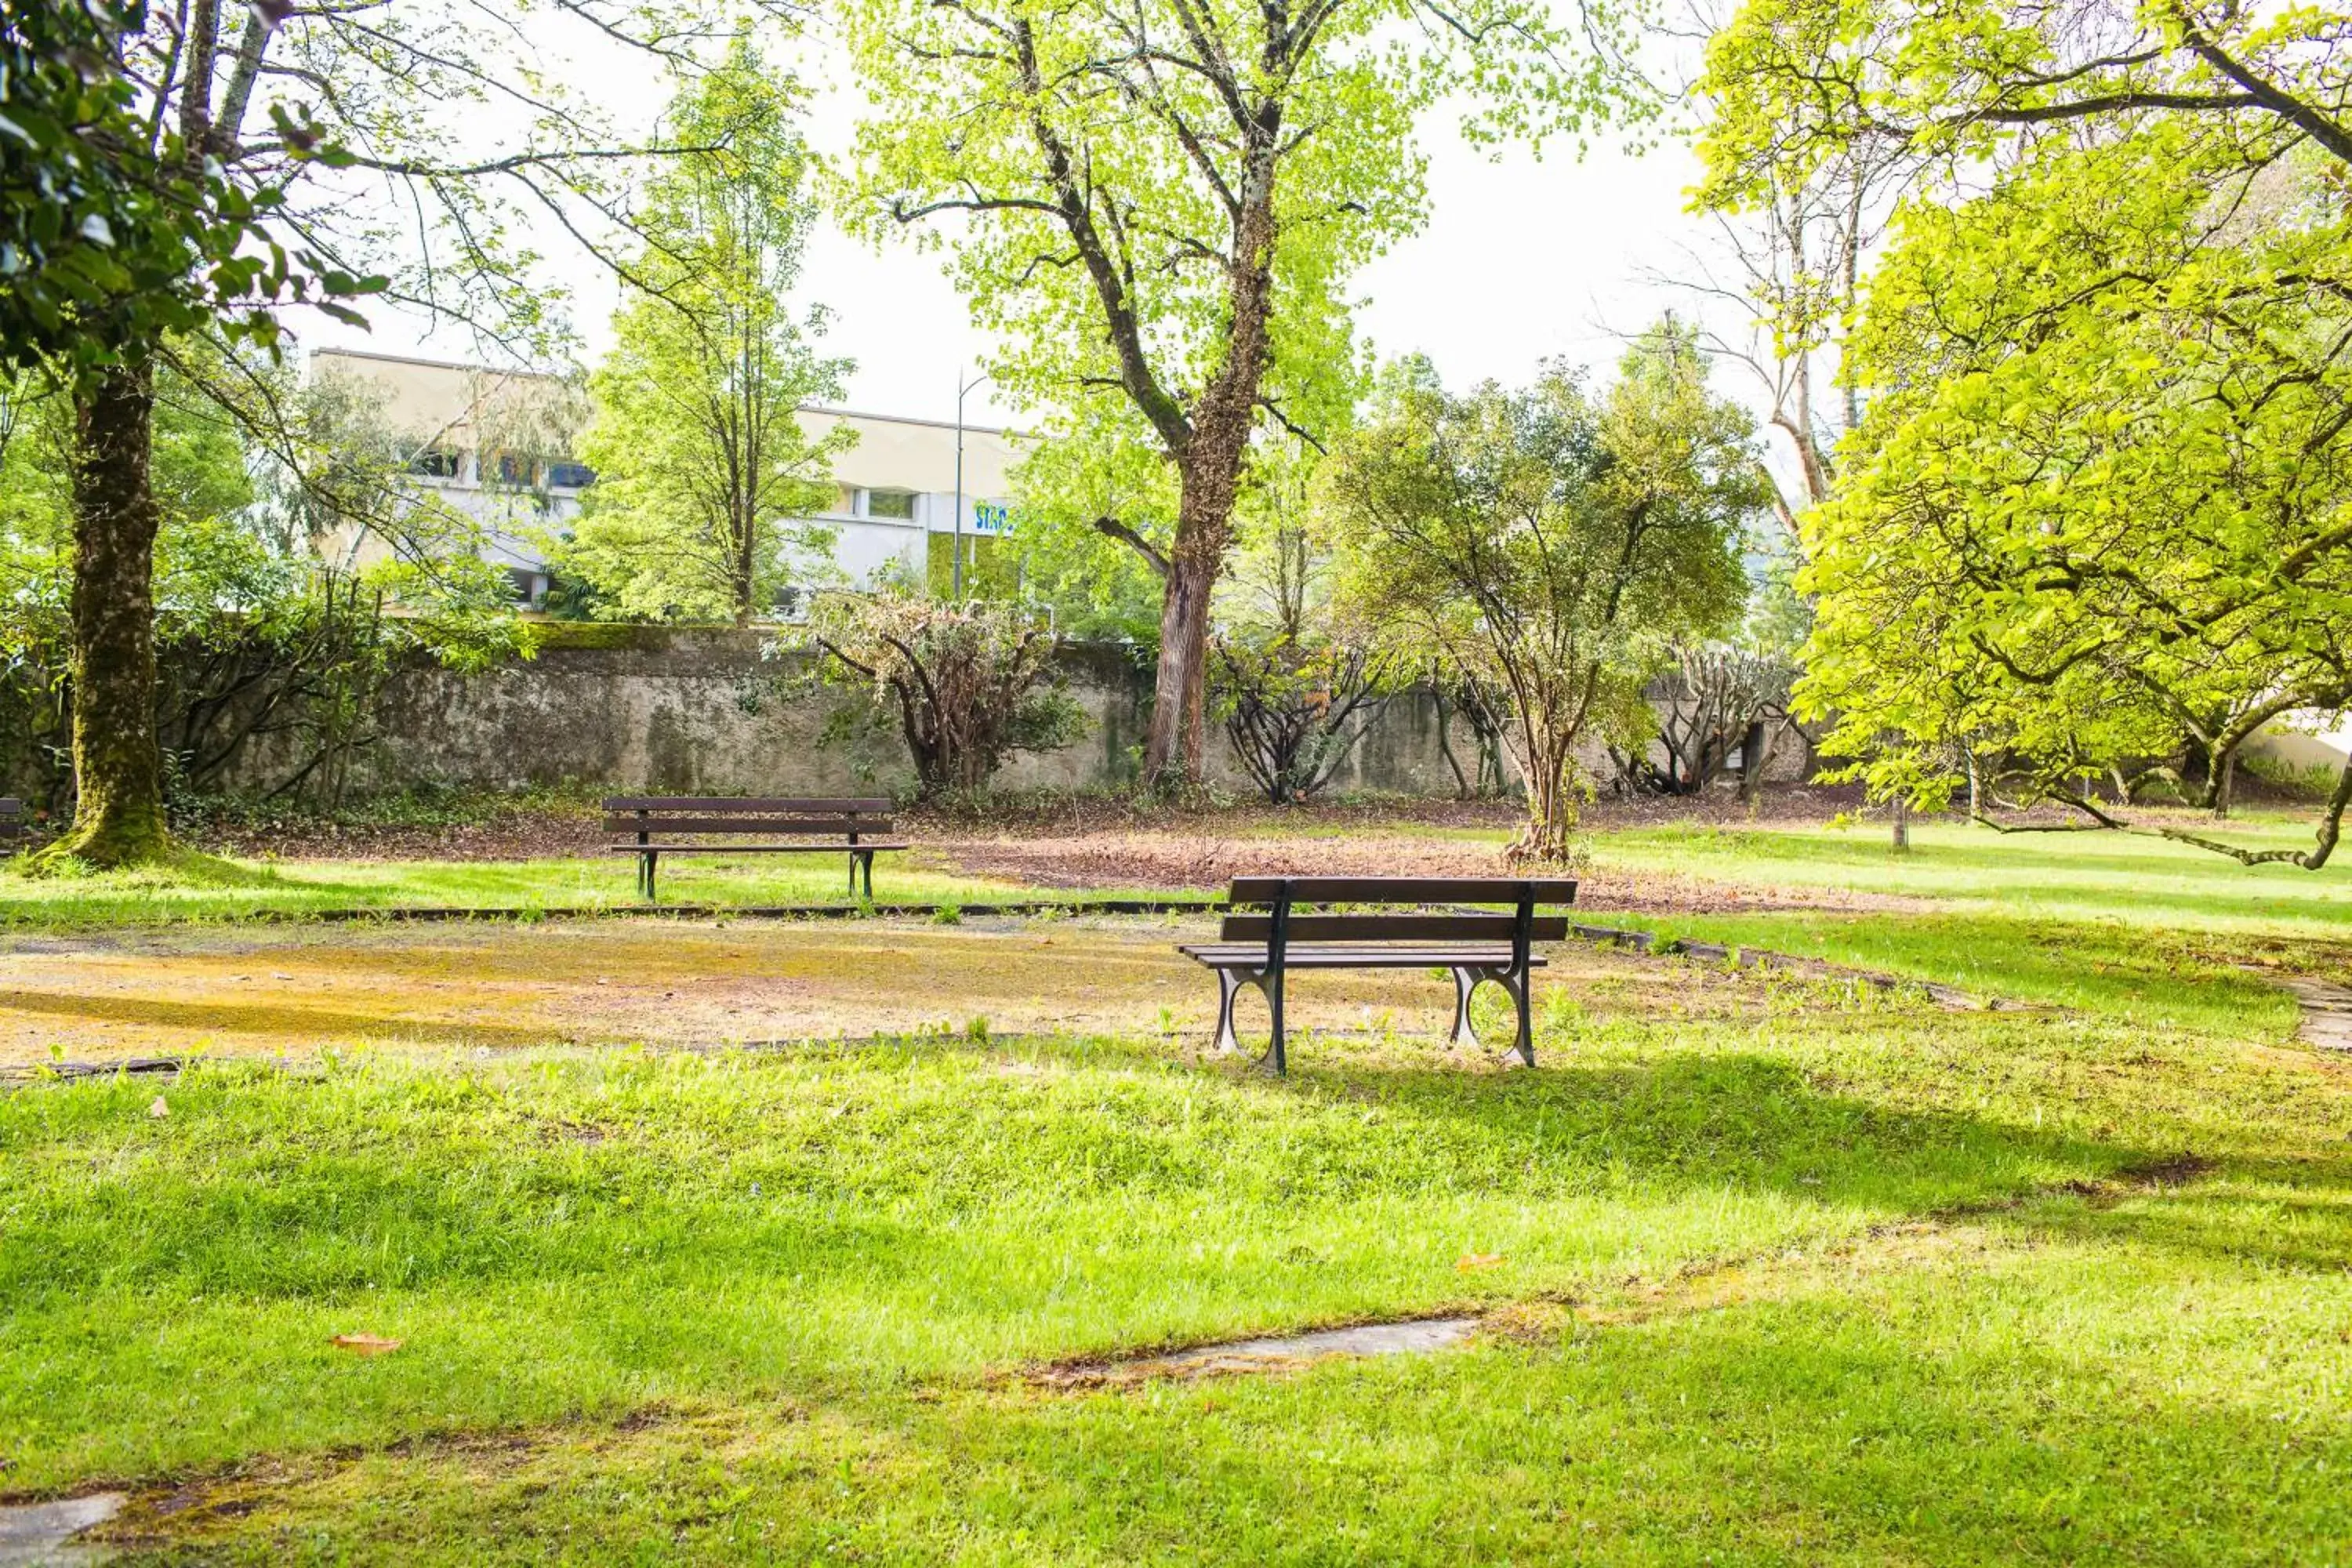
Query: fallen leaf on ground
[
  {"x": 158, "y": 1109},
  {"x": 364, "y": 1344},
  {"x": 1471, "y": 1261}
]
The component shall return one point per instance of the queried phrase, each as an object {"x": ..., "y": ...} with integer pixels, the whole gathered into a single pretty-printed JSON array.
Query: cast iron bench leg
[
  {"x": 646, "y": 860},
  {"x": 1229, "y": 985},
  {"x": 1466, "y": 981},
  {"x": 1522, "y": 1053}
]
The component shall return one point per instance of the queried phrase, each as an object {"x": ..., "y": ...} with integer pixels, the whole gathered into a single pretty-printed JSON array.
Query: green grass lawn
[
  {"x": 293, "y": 889},
  {"x": 1831, "y": 1276},
  {"x": 2154, "y": 931},
  {"x": 2139, "y": 881},
  {"x": 1840, "y": 1281}
]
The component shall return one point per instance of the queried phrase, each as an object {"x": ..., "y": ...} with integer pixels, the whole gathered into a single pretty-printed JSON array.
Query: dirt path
[
  {"x": 502, "y": 985},
  {"x": 1167, "y": 860}
]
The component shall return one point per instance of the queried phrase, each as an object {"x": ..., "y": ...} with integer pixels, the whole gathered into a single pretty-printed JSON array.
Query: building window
[
  {"x": 513, "y": 468},
  {"x": 844, "y": 501},
  {"x": 437, "y": 463},
  {"x": 570, "y": 476},
  {"x": 898, "y": 504}
]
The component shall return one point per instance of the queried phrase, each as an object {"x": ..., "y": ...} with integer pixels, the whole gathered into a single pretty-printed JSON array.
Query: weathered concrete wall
[{"x": 703, "y": 712}]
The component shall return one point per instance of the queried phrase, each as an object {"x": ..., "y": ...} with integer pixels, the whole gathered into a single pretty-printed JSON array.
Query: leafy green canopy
[
  {"x": 703, "y": 473},
  {"x": 2076, "y": 553},
  {"x": 1094, "y": 515},
  {"x": 116, "y": 231},
  {"x": 1551, "y": 543},
  {"x": 2100, "y": 507},
  {"x": 1158, "y": 208},
  {"x": 1007, "y": 111}
]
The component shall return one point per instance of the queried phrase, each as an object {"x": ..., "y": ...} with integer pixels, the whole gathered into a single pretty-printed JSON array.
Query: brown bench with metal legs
[
  {"x": 650, "y": 826},
  {"x": 1478, "y": 946}
]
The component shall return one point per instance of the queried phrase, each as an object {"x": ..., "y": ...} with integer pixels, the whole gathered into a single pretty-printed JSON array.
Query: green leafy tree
[
  {"x": 200, "y": 481},
  {"x": 2093, "y": 525},
  {"x": 407, "y": 184},
  {"x": 1300, "y": 682},
  {"x": 1552, "y": 545},
  {"x": 2108, "y": 503},
  {"x": 1162, "y": 204},
  {"x": 704, "y": 476},
  {"x": 1093, "y": 508},
  {"x": 115, "y": 229},
  {"x": 260, "y": 643},
  {"x": 125, "y": 220}
]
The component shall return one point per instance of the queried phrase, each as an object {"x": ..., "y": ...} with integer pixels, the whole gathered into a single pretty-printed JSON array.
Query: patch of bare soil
[
  {"x": 291, "y": 991},
  {"x": 1174, "y": 860},
  {"x": 506, "y": 836},
  {"x": 1045, "y": 815},
  {"x": 1281, "y": 1352},
  {"x": 550, "y": 833}
]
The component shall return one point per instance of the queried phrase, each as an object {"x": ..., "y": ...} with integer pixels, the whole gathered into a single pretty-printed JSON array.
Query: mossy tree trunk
[{"x": 117, "y": 765}]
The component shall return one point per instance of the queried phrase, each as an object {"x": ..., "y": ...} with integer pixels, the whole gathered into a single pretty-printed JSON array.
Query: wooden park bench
[
  {"x": 1259, "y": 949},
  {"x": 650, "y": 826},
  {"x": 13, "y": 828}
]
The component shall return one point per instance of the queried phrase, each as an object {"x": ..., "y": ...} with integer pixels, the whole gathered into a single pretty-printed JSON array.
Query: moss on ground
[{"x": 296, "y": 991}]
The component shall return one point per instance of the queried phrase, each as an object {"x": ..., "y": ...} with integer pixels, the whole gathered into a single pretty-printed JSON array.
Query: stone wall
[{"x": 703, "y": 712}]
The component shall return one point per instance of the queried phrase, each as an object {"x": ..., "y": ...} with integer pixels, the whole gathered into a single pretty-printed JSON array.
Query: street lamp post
[{"x": 962, "y": 387}]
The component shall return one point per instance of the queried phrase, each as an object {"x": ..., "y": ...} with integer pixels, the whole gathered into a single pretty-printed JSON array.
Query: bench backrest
[
  {"x": 1283, "y": 925},
  {"x": 12, "y": 816},
  {"x": 642, "y": 815}
]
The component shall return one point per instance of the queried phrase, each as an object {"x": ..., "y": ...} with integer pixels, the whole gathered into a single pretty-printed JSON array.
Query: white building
[
  {"x": 896, "y": 490},
  {"x": 497, "y": 446}
]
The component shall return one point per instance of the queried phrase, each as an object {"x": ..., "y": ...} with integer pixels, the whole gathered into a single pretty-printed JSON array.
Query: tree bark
[
  {"x": 118, "y": 763},
  {"x": 1755, "y": 755},
  {"x": 1209, "y": 466},
  {"x": 1176, "y": 746},
  {"x": 1549, "y": 836}
]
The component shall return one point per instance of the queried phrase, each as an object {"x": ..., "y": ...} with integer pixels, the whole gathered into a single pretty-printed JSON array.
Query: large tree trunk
[
  {"x": 1756, "y": 749},
  {"x": 1175, "y": 748},
  {"x": 117, "y": 765}
]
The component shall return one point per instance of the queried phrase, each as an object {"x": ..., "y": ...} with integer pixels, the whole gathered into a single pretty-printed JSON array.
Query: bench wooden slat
[
  {"x": 1401, "y": 890},
  {"x": 1251, "y": 955},
  {"x": 832, "y": 825},
  {"x": 1394, "y": 928},
  {"x": 839, "y": 847},
  {"x": 863, "y": 806}
]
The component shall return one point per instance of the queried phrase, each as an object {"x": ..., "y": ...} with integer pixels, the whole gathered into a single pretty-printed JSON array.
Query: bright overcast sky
[{"x": 1520, "y": 262}]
